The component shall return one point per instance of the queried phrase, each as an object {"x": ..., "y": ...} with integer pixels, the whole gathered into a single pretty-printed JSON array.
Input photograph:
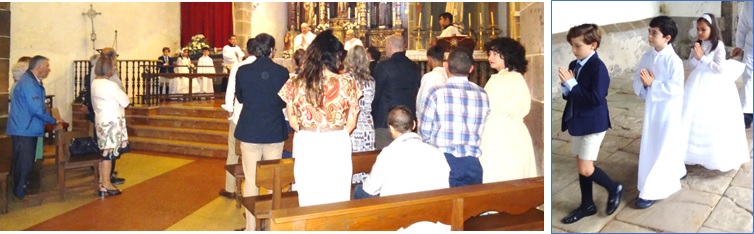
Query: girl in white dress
[
  {"x": 711, "y": 113},
  {"x": 205, "y": 65},
  {"x": 180, "y": 85}
]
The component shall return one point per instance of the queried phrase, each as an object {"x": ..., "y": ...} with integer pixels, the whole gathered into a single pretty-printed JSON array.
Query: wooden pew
[
  {"x": 277, "y": 174},
  {"x": 451, "y": 206}
]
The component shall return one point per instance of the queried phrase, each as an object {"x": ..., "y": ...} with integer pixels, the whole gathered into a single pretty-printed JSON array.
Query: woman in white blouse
[{"x": 109, "y": 103}]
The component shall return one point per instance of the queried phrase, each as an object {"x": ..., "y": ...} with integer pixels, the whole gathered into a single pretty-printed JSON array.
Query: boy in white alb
[
  {"x": 659, "y": 80},
  {"x": 232, "y": 54},
  {"x": 205, "y": 66}
]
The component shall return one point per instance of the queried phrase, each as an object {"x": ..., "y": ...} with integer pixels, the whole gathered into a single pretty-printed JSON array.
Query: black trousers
[{"x": 24, "y": 151}]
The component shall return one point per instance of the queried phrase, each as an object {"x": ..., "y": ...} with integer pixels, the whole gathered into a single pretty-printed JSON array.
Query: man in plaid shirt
[{"x": 453, "y": 119}]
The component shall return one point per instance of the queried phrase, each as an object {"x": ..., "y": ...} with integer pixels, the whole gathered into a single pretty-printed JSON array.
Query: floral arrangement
[
  {"x": 349, "y": 25},
  {"x": 321, "y": 27},
  {"x": 460, "y": 27},
  {"x": 196, "y": 46}
]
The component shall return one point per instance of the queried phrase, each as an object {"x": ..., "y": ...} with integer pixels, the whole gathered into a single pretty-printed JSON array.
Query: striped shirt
[{"x": 453, "y": 117}]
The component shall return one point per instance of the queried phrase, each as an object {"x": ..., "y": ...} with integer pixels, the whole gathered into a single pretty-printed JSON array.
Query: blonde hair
[
  {"x": 105, "y": 65},
  {"x": 357, "y": 62}
]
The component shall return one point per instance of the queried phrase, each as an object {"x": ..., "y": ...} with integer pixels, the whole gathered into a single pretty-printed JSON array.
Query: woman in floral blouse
[
  {"x": 357, "y": 64},
  {"x": 322, "y": 108}
]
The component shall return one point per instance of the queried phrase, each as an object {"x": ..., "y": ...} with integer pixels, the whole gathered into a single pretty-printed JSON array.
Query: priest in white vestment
[
  {"x": 303, "y": 40},
  {"x": 351, "y": 41},
  {"x": 659, "y": 81},
  {"x": 232, "y": 54}
]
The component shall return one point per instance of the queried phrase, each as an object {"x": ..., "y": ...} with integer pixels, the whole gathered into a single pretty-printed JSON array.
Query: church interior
[{"x": 179, "y": 139}]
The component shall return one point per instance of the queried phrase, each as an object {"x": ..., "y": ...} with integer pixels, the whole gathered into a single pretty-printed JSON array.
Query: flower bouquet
[
  {"x": 195, "y": 46},
  {"x": 321, "y": 27}
]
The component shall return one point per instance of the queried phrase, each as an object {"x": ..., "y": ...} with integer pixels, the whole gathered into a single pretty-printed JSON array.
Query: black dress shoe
[
  {"x": 579, "y": 213},
  {"x": 643, "y": 204},
  {"x": 227, "y": 194},
  {"x": 117, "y": 180},
  {"x": 614, "y": 201}
]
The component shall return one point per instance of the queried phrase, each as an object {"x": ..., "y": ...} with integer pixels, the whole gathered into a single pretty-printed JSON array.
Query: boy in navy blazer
[{"x": 584, "y": 85}]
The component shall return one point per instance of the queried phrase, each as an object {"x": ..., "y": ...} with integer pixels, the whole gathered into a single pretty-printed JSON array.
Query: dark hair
[
  {"x": 436, "y": 52},
  {"x": 447, "y": 16},
  {"x": 184, "y": 50},
  {"x": 263, "y": 45},
  {"x": 205, "y": 49},
  {"x": 666, "y": 25},
  {"x": 250, "y": 46},
  {"x": 374, "y": 53},
  {"x": 25, "y": 59},
  {"x": 591, "y": 33},
  {"x": 36, "y": 60},
  {"x": 298, "y": 55},
  {"x": 165, "y": 48},
  {"x": 325, "y": 52},
  {"x": 400, "y": 118},
  {"x": 231, "y": 36},
  {"x": 714, "y": 36},
  {"x": 460, "y": 61},
  {"x": 512, "y": 52}
]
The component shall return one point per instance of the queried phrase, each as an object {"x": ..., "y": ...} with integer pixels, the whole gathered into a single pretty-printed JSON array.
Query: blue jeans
[
  {"x": 464, "y": 170},
  {"x": 358, "y": 193},
  {"x": 24, "y": 150}
]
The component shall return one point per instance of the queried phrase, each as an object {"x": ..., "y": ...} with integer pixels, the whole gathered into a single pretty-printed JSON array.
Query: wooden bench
[
  {"x": 277, "y": 174},
  {"x": 237, "y": 169},
  {"x": 518, "y": 200}
]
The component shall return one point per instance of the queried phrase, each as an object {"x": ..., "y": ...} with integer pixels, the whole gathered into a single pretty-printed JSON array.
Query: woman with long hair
[
  {"x": 109, "y": 102},
  {"x": 357, "y": 64},
  {"x": 322, "y": 108}
]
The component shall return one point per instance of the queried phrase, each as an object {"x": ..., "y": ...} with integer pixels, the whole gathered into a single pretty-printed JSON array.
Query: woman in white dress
[
  {"x": 507, "y": 151},
  {"x": 711, "y": 112}
]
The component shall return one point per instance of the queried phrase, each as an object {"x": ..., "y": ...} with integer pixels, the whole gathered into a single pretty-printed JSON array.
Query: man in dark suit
[
  {"x": 165, "y": 65},
  {"x": 397, "y": 81},
  {"x": 374, "y": 57},
  {"x": 261, "y": 128}
]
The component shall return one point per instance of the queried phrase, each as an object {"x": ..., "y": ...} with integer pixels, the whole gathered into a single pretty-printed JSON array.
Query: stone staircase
[{"x": 184, "y": 130}]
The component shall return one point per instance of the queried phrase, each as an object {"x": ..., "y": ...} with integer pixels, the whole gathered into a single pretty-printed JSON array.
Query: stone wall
[
  {"x": 270, "y": 18},
  {"x": 532, "y": 25},
  {"x": 242, "y": 23}
]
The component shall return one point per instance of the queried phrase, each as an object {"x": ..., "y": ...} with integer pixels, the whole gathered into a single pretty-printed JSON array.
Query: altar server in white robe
[
  {"x": 205, "y": 65},
  {"x": 711, "y": 113},
  {"x": 351, "y": 41},
  {"x": 659, "y": 81},
  {"x": 180, "y": 85},
  {"x": 448, "y": 30},
  {"x": 303, "y": 40},
  {"x": 744, "y": 40},
  {"x": 232, "y": 54}
]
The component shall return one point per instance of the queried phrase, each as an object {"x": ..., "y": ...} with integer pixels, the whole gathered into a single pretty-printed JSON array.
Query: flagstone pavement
[{"x": 710, "y": 201}]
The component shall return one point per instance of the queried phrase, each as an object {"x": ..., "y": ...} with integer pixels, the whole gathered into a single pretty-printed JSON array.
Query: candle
[
  {"x": 328, "y": 13},
  {"x": 431, "y": 19},
  {"x": 492, "y": 18},
  {"x": 349, "y": 12},
  {"x": 480, "y": 19},
  {"x": 420, "y": 19}
]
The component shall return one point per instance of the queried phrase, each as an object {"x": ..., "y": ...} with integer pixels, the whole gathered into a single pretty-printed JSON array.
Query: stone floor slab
[
  {"x": 558, "y": 230},
  {"x": 633, "y": 147},
  {"x": 564, "y": 172},
  {"x": 621, "y": 227},
  {"x": 668, "y": 216},
  {"x": 613, "y": 143},
  {"x": 729, "y": 217},
  {"x": 740, "y": 196},
  {"x": 744, "y": 176},
  {"x": 707, "y": 181},
  {"x": 709, "y": 230}
]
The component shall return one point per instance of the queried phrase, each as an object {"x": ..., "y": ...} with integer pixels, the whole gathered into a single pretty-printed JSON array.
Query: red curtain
[{"x": 213, "y": 19}]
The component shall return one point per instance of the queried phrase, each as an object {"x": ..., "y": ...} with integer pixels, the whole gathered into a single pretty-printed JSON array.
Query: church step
[
  {"x": 189, "y": 148},
  {"x": 217, "y": 124},
  {"x": 180, "y": 134},
  {"x": 203, "y": 112}
]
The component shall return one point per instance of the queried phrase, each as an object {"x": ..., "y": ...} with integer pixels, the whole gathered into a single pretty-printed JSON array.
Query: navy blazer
[
  {"x": 163, "y": 69},
  {"x": 589, "y": 99},
  {"x": 397, "y": 81},
  {"x": 257, "y": 85}
]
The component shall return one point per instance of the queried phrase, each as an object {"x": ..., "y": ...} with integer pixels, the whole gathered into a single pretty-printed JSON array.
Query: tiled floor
[{"x": 162, "y": 192}]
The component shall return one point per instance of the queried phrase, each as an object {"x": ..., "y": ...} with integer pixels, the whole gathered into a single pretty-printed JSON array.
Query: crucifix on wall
[{"x": 91, "y": 13}]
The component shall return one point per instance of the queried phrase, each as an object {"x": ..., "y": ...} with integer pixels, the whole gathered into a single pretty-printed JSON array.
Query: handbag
[{"x": 82, "y": 146}]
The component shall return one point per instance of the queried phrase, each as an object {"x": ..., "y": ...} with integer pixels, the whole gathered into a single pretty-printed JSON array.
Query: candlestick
[{"x": 420, "y": 20}]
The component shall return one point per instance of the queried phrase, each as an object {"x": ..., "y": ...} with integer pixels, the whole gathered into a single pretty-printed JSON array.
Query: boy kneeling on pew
[{"x": 407, "y": 165}]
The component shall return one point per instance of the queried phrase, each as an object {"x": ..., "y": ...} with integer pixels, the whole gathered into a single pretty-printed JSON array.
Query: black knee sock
[
  {"x": 603, "y": 180},
  {"x": 747, "y": 119},
  {"x": 585, "y": 183}
]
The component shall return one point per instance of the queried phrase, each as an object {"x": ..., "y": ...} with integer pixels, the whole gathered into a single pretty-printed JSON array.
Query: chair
[
  {"x": 5, "y": 161},
  {"x": 65, "y": 162},
  {"x": 449, "y": 43}
]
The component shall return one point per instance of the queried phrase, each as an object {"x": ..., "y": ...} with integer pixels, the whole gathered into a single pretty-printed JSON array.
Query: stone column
[
  {"x": 242, "y": 23},
  {"x": 4, "y": 65},
  {"x": 532, "y": 19}
]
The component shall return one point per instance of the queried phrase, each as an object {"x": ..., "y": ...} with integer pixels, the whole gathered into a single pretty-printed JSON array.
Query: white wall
[
  {"x": 59, "y": 32},
  {"x": 691, "y": 9},
  {"x": 270, "y": 18},
  {"x": 568, "y": 14}
]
